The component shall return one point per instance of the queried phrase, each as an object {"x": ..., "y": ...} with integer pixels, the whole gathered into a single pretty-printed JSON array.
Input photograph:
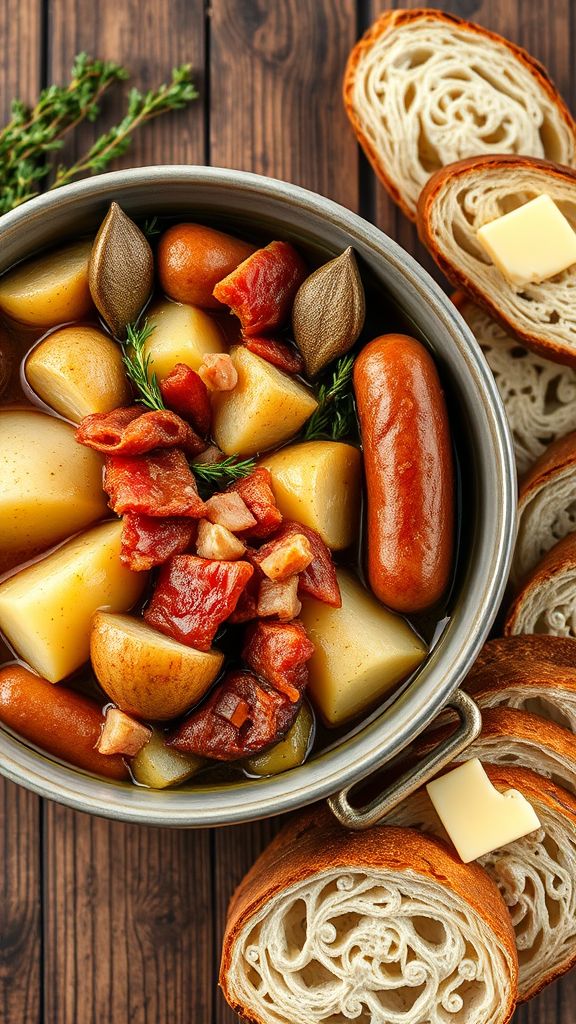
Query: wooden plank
[{"x": 20, "y": 822}]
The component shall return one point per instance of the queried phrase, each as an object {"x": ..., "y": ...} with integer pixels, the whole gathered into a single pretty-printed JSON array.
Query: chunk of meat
[
  {"x": 262, "y": 289},
  {"x": 122, "y": 432},
  {"x": 285, "y": 557},
  {"x": 211, "y": 456},
  {"x": 159, "y": 484},
  {"x": 241, "y": 717},
  {"x": 184, "y": 391},
  {"x": 285, "y": 357},
  {"x": 246, "y": 609},
  {"x": 319, "y": 578},
  {"x": 194, "y": 596},
  {"x": 149, "y": 540},
  {"x": 218, "y": 372},
  {"x": 279, "y": 599},
  {"x": 256, "y": 491},
  {"x": 215, "y": 541},
  {"x": 122, "y": 734},
  {"x": 229, "y": 510},
  {"x": 278, "y": 652}
]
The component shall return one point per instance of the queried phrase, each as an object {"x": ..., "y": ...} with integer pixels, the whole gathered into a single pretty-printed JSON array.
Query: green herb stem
[
  {"x": 335, "y": 417},
  {"x": 231, "y": 468}
]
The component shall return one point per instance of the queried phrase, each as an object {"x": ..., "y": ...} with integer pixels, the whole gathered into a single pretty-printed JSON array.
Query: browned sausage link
[
  {"x": 409, "y": 472},
  {"x": 57, "y": 719},
  {"x": 243, "y": 716}
]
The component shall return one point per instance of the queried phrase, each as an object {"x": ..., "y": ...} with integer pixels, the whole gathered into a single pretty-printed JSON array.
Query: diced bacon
[
  {"x": 184, "y": 391},
  {"x": 210, "y": 457},
  {"x": 285, "y": 357},
  {"x": 279, "y": 599},
  {"x": 286, "y": 557},
  {"x": 218, "y": 372},
  {"x": 122, "y": 734},
  {"x": 262, "y": 289},
  {"x": 278, "y": 652},
  {"x": 194, "y": 596},
  {"x": 256, "y": 491},
  {"x": 131, "y": 432},
  {"x": 319, "y": 579},
  {"x": 229, "y": 510},
  {"x": 160, "y": 484},
  {"x": 245, "y": 610},
  {"x": 149, "y": 541},
  {"x": 215, "y": 541},
  {"x": 241, "y": 717}
]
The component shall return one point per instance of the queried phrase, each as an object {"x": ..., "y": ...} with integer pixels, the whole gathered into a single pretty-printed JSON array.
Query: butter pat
[
  {"x": 530, "y": 244},
  {"x": 476, "y": 816}
]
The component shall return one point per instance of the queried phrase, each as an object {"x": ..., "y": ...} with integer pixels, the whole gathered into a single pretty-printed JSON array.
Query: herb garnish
[
  {"x": 230, "y": 469},
  {"x": 335, "y": 417},
  {"x": 138, "y": 366}
]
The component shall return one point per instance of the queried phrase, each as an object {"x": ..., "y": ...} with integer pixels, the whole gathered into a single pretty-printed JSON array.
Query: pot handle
[{"x": 364, "y": 817}]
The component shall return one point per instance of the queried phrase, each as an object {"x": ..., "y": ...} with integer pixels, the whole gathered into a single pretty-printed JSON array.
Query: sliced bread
[
  {"x": 546, "y": 601},
  {"x": 537, "y": 686},
  {"x": 458, "y": 200},
  {"x": 536, "y": 875},
  {"x": 380, "y": 926},
  {"x": 538, "y": 395},
  {"x": 424, "y": 88},
  {"x": 556, "y": 650}
]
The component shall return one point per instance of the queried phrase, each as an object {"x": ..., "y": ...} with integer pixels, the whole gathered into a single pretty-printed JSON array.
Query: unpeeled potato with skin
[
  {"x": 49, "y": 290},
  {"x": 192, "y": 258},
  {"x": 182, "y": 334},
  {"x": 159, "y": 766},
  {"x": 289, "y": 752},
  {"x": 146, "y": 673}
]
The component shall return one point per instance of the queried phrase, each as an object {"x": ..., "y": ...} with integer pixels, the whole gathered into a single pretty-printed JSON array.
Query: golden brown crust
[
  {"x": 526, "y": 648},
  {"x": 559, "y": 559},
  {"x": 394, "y": 19},
  {"x": 315, "y": 843},
  {"x": 535, "y": 675},
  {"x": 546, "y": 348},
  {"x": 559, "y": 455}
]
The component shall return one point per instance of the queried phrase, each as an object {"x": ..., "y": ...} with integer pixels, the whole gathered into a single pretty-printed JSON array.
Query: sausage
[
  {"x": 409, "y": 472},
  {"x": 57, "y": 719}
]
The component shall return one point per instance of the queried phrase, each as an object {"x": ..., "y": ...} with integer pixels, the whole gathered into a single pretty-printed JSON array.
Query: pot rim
[{"x": 396, "y": 726}]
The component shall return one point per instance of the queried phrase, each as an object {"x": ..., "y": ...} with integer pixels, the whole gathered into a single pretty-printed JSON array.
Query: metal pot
[{"x": 406, "y": 295}]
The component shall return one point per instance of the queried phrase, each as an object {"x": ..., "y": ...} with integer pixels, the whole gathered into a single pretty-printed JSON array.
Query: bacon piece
[
  {"x": 256, "y": 491},
  {"x": 285, "y": 557},
  {"x": 229, "y": 510},
  {"x": 319, "y": 578},
  {"x": 122, "y": 734},
  {"x": 210, "y": 457},
  {"x": 149, "y": 540},
  {"x": 285, "y": 357},
  {"x": 241, "y": 717},
  {"x": 262, "y": 289},
  {"x": 278, "y": 652},
  {"x": 160, "y": 484},
  {"x": 184, "y": 391},
  {"x": 122, "y": 432},
  {"x": 218, "y": 372},
  {"x": 246, "y": 609},
  {"x": 279, "y": 599},
  {"x": 194, "y": 596},
  {"x": 215, "y": 541}
]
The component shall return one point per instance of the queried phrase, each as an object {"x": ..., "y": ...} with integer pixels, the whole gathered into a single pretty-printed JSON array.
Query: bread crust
[
  {"x": 560, "y": 558},
  {"x": 395, "y": 19},
  {"x": 314, "y": 842},
  {"x": 524, "y": 648},
  {"x": 548, "y": 349}
]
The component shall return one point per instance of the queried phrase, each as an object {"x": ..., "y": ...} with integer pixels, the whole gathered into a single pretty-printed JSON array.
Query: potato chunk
[
  {"x": 159, "y": 766},
  {"x": 361, "y": 651},
  {"x": 289, "y": 752},
  {"x": 50, "y": 486},
  {"x": 318, "y": 483},
  {"x": 146, "y": 673},
  {"x": 78, "y": 371},
  {"x": 266, "y": 408},
  {"x": 50, "y": 289},
  {"x": 46, "y": 610},
  {"x": 182, "y": 334}
]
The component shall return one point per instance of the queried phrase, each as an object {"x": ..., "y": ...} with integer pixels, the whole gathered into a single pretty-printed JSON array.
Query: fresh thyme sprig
[
  {"x": 137, "y": 365},
  {"x": 229, "y": 469},
  {"x": 335, "y": 416}
]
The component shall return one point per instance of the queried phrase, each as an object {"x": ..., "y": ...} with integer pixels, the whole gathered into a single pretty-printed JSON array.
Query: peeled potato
[
  {"x": 50, "y": 486},
  {"x": 159, "y": 766},
  {"x": 50, "y": 289},
  {"x": 78, "y": 371},
  {"x": 362, "y": 650},
  {"x": 182, "y": 334},
  {"x": 146, "y": 673},
  {"x": 289, "y": 752},
  {"x": 266, "y": 408},
  {"x": 46, "y": 610},
  {"x": 317, "y": 483}
]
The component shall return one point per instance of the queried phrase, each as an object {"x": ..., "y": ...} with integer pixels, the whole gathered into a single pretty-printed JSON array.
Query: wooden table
[{"x": 104, "y": 923}]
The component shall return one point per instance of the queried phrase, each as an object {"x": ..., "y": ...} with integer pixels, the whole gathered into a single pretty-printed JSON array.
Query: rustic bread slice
[
  {"x": 538, "y": 395},
  {"x": 540, "y": 687},
  {"x": 461, "y": 198},
  {"x": 556, "y": 650},
  {"x": 546, "y": 601},
  {"x": 423, "y": 88},
  {"x": 536, "y": 875},
  {"x": 330, "y": 926},
  {"x": 546, "y": 505}
]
